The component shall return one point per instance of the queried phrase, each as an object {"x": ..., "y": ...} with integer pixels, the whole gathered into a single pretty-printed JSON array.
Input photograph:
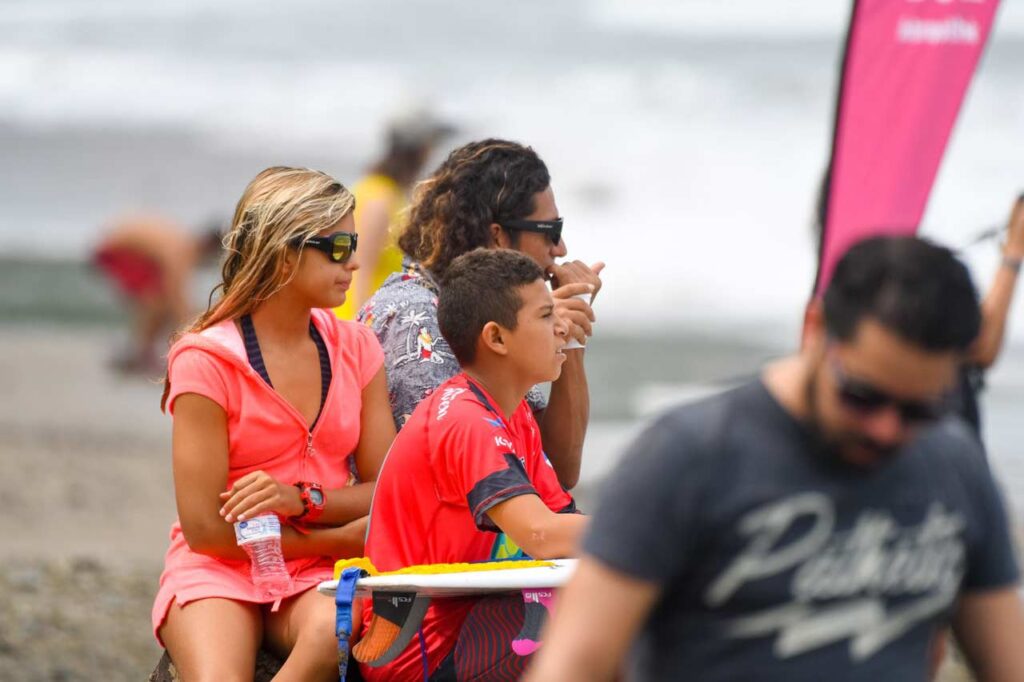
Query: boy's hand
[{"x": 259, "y": 492}]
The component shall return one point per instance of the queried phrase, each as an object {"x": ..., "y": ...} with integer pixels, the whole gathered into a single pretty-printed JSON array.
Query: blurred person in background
[
  {"x": 382, "y": 197},
  {"x": 995, "y": 308},
  {"x": 278, "y": 407},
  {"x": 491, "y": 193},
  {"x": 822, "y": 521},
  {"x": 151, "y": 261}
]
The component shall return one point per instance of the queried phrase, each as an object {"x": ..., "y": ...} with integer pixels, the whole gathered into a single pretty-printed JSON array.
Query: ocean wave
[{"x": 268, "y": 100}]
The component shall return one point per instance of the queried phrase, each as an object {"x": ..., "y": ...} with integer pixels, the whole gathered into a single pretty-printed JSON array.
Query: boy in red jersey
[{"x": 466, "y": 480}]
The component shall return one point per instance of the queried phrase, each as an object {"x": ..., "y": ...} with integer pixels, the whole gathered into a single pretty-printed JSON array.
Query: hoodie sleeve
[
  {"x": 370, "y": 354},
  {"x": 195, "y": 371}
]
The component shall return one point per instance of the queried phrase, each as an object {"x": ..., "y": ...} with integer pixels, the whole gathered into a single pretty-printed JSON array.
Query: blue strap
[
  {"x": 343, "y": 615},
  {"x": 423, "y": 656}
]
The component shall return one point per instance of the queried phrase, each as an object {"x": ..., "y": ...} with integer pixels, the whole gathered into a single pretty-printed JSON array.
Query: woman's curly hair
[{"x": 478, "y": 184}]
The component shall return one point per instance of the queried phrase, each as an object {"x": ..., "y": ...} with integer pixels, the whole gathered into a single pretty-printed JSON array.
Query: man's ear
[
  {"x": 493, "y": 339},
  {"x": 812, "y": 336},
  {"x": 500, "y": 237}
]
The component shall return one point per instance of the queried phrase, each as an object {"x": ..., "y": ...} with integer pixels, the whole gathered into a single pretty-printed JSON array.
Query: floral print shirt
[{"x": 417, "y": 359}]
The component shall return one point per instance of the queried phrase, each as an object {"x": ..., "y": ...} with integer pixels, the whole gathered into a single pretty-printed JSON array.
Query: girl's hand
[{"x": 259, "y": 492}]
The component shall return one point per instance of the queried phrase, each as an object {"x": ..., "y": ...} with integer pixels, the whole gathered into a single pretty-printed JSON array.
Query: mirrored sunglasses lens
[{"x": 342, "y": 248}]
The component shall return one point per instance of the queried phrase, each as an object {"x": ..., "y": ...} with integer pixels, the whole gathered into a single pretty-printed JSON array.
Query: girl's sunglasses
[
  {"x": 551, "y": 228},
  {"x": 339, "y": 246},
  {"x": 862, "y": 397}
]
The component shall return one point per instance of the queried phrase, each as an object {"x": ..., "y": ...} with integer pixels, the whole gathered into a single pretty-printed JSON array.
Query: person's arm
[
  {"x": 995, "y": 307},
  {"x": 989, "y": 626},
  {"x": 376, "y": 429},
  {"x": 537, "y": 530},
  {"x": 199, "y": 447},
  {"x": 373, "y": 233},
  {"x": 574, "y": 649},
  {"x": 200, "y": 463},
  {"x": 641, "y": 538},
  {"x": 178, "y": 268},
  {"x": 563, "y": 422},
  {"x": 988, "y": 620}
]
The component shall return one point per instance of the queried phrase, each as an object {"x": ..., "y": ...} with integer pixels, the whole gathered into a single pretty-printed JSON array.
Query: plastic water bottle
[{"x": 260, "y": 537}]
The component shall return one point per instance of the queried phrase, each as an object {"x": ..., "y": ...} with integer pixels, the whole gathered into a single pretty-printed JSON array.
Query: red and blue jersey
[{"x": 455, "y": 459}]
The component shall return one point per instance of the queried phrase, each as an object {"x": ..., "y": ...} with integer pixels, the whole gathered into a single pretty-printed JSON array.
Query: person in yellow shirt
[{"x": 381, "y": 199}]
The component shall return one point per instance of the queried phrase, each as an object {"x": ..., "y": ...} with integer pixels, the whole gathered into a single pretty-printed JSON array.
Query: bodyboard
[{"x": 464, "y": 583}]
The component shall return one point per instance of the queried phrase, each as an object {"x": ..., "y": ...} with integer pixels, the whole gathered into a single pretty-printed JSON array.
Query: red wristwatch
[{"x": 312, "y": 496}]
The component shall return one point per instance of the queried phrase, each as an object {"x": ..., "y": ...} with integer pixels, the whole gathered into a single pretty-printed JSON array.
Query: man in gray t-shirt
[{"x": 822, "y": 522}]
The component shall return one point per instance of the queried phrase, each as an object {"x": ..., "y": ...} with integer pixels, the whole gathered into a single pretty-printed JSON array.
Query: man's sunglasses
[
  {"x": 862, "y": 397},
  {"x": 339, "y": 246},
  {"x": 551, "y": 228}
]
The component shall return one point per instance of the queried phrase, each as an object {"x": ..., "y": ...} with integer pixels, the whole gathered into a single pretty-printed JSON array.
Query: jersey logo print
[
  {"x": 447, "y": 397},
  {"x": 495, "y": 422}
]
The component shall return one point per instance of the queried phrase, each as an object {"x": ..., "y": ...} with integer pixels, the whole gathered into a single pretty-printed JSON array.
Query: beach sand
[
  {"x": 85, "y": 484},
  {"x": 86, "y": 489}
]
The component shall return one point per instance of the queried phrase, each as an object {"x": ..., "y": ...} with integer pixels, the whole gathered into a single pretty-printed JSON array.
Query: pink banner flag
[{"x": 905, "y": 72}]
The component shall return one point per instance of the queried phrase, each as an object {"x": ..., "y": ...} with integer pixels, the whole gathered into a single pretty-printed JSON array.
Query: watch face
[{"x": 316, "y": 496}]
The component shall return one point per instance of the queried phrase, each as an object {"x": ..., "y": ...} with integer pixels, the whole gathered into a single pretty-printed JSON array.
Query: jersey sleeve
[
  {"x": 645, "y": 524},
  {"x": 196, "y": 371},
  {"x": 476, "y": 466}
]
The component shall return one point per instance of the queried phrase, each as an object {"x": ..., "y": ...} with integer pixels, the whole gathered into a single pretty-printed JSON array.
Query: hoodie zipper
[{"x": 310, "y": 450}]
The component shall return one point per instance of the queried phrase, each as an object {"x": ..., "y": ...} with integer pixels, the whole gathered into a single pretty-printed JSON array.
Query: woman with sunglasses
[
  {"x": 492, "y": 194},
  {"x": 278, "y": 407}
]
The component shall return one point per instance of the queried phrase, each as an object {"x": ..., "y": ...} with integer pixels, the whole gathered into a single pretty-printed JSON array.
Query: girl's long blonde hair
[{"x": 278, "y": 206}]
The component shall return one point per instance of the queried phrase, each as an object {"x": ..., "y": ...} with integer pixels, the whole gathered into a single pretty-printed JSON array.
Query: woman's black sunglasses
[
  {"x": 551, "y": 228},
  {"x": 339, "y": 246}
]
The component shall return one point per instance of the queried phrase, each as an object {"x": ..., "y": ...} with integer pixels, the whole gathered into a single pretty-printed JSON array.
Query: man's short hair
[
  {"x": 480, "y": 287},
  {"x": 915, "y": 288}
]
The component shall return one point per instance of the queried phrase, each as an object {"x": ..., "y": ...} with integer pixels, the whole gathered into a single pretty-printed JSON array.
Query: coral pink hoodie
[{"x": 267, "y": 433}]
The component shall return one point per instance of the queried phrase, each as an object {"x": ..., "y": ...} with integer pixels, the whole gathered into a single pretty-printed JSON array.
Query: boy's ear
[{"x": 492, "y": 338}]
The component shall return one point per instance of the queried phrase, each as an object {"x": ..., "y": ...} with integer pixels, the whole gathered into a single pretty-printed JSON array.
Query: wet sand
[{"x": 85, "y": 485}]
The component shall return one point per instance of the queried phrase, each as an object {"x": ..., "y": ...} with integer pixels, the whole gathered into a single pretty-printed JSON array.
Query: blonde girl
[{"x": 277, "y": 407}]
